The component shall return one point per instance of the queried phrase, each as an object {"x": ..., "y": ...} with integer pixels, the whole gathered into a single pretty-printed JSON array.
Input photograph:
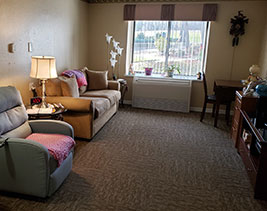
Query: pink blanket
[
  {"x": 81, "y": 80},
  {"x": 58, "y": 145}
]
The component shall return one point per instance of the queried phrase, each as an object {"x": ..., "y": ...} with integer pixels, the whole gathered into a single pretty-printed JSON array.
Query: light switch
[{"x": 29, "y": 46}]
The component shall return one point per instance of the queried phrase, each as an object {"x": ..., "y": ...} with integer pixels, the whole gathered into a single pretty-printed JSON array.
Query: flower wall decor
[{"x": 116, "y": 51}]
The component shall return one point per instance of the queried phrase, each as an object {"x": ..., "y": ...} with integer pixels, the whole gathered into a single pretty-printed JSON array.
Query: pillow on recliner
[
  {"x": 97, "y": 80},
  {"x": 69, "y": 86}
]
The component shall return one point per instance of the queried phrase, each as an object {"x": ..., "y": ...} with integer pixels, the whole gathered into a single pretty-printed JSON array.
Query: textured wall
[
  {"x": 55, "y": 28},
  {"x": 263, "y": 57},
  {"x": 224, "y": 61}
]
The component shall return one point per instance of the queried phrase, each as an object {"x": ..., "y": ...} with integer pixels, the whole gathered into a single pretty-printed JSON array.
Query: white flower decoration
[
  {"x": 119, "y": 50},
  {"x": 108, "y": 38},
  {"x": 112, "y": 62},
  {"x": 115, "y": 44},
  {"x": 113, "y": 54}
]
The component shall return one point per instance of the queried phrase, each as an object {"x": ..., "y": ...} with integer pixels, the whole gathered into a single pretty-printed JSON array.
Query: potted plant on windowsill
[
  {"x": 170, "y": 70},
  {"x": 148, "y": 70}
]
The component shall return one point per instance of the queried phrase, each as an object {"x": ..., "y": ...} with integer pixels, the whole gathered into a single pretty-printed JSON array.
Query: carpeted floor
[{"x": 147, "y": 160}]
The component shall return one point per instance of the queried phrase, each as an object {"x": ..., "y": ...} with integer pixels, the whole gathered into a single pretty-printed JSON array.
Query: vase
[
  {"x": 148, "y": 70},
  {"x": 170, "y": 73}
]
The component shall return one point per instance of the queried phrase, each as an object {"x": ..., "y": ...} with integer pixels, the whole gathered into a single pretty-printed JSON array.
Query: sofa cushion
[
  {"x": 97, "y": 80},
  {"x": 112, "y": 95},
  {"x": 53, "y": 87},
  {"x": 69, "y": 86},
  {"x": 101, "y": 105}
]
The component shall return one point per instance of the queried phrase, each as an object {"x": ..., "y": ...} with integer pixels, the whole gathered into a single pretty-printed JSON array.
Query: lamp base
[{"x": 44, "y": 105}]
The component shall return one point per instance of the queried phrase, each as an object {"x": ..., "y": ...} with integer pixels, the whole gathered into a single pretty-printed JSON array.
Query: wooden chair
[{"x": 212, "y": 99}]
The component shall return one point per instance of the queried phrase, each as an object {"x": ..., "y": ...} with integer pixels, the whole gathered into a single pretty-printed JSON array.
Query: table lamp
[{"x": 43, "y": 68}]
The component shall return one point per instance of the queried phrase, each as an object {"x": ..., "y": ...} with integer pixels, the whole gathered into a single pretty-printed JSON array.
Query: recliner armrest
[
  {"x": 79, "y": 104},
  {"x": 115, "y": 85},
  {"x": 24, "y": 167},
  {"x": 51, "y": 126}
]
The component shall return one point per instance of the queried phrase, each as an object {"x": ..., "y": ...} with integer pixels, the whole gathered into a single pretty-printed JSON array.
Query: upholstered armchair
[{"x": 26, "y": 165}]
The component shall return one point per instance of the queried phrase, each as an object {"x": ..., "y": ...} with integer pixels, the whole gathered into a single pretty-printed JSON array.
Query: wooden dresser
[
  {"x": 253, "y": 150},
  {"x": 245, "y": 103}
]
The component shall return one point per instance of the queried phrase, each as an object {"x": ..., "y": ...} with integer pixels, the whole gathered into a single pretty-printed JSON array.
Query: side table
[
  {"x": 123, "y": 89},
  {"x": 56, "y": 115}
]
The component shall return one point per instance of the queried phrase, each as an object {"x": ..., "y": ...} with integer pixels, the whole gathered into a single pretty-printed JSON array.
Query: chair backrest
[
  {"x": 13, "y": 114},
  {"x": 205, "y": 84}
]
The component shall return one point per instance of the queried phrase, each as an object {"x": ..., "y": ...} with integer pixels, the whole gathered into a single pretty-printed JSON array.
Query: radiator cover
[{"x": 162, "y": 94}]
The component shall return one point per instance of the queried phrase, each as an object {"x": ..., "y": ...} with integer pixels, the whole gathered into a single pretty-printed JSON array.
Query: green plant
[{"x": 172, "y": 68}]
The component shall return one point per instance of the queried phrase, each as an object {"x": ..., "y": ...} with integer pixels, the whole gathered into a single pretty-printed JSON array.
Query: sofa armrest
[
  {"x": 115, "y": 85},
  {"x": 51, "y": 126},
  {"x": 24, "y": 167},
  {"x": 72, "y": 103}
]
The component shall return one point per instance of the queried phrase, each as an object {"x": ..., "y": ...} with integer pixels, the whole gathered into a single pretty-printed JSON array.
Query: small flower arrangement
[{"x": 170, "y": 70}]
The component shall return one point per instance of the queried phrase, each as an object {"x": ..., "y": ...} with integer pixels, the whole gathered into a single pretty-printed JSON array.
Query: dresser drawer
[
  {"x": 237, "y": 103},
  {"x": 244, "y": 153}
]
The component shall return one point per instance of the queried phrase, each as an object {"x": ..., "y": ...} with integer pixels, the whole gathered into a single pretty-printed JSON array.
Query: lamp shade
[{"x": 43, "y": 67}]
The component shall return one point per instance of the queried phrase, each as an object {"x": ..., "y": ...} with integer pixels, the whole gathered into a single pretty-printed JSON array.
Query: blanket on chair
[{"x": 58, "y": 145}]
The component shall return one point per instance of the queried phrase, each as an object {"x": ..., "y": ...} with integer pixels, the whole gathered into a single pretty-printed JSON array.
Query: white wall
[
  {"x": 224, "y": 61},
  {"x": 55, "y": 28}
]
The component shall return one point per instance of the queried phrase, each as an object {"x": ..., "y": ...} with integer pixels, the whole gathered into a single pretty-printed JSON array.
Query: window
[{"x": 159, "y": 44}]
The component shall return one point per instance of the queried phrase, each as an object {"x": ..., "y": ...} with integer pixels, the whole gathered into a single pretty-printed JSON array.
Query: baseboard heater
[{"x": 162, "y": 94}]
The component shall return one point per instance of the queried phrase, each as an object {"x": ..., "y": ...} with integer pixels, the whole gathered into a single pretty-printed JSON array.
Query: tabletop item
[
  {"x": 36, "y": 101},
  {"x": 46, "y": 113},
  {"x": 43, "y": 68},
  {"x": 261, "y": 90}
]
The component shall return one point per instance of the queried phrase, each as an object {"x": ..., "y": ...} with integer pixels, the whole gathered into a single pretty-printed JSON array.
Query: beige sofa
[{"x": 90, "y": 110}]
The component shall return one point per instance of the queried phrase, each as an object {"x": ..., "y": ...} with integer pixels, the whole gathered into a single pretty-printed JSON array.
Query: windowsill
[{"x": 176, "y": 77}]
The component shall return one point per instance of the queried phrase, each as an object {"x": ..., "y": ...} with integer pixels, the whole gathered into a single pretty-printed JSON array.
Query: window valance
[{"x": 183, "y": 12}]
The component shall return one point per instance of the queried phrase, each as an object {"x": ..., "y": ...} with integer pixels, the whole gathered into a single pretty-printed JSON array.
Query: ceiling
[{"x": 159, "y": 1}]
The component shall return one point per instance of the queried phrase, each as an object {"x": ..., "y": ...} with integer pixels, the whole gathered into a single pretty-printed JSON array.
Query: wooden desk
[{"x": 225, "y": 92}]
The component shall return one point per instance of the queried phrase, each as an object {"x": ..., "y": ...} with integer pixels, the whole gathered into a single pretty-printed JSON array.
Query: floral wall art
[{"x": 114, "y": 52}]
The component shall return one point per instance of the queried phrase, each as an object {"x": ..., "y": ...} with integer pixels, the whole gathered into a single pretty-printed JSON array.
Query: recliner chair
[{"x": 26, "y": 166}]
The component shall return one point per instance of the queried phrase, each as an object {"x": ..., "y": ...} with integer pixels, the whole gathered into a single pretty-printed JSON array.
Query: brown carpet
[{"x": 152, "y": 161}]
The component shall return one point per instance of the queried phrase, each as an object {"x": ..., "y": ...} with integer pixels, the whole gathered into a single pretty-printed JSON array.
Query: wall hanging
[
  {"x": 117, "y": 52},
  {"x": 238, "y": 27}
]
